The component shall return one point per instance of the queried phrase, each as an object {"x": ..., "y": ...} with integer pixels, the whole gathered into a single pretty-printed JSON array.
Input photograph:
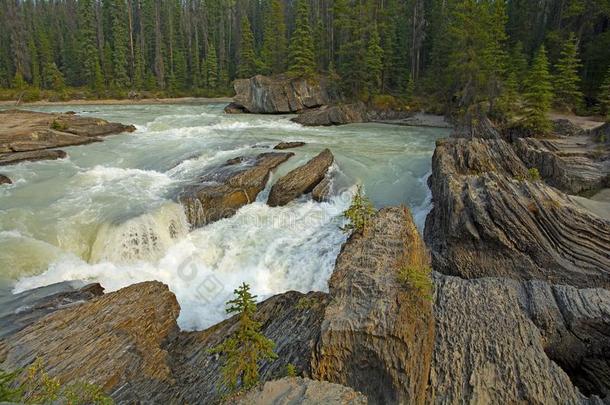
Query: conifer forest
[{"x": 456, "y": 52}]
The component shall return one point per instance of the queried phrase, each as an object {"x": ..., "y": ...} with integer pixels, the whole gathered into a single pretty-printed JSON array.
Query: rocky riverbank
[
  {"x": 28, "y": 135},
  {"x": 316, "y": 104},
  {"x": 519, "y": 310}
]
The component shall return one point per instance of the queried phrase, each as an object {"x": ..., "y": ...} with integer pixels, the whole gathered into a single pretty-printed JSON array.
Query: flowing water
[{"x": 108, "y": 212}]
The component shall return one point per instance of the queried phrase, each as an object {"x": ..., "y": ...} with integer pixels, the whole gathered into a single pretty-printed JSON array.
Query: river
[{"x": 108, "y": 212}]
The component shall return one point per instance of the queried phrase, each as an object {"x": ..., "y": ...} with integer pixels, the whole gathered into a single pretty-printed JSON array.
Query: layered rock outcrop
[
  {"x": 490, "y": 219},
  {"x": 222, "y": 191},
  {"x": 24, "y": 135},
  {"x": 377, "y": 334},
  {"x": 277, "y": 94},
  {"x": 574, "y": 164},
  {"x": 300, "y": 391},
  {"x": 501, "y": 341},
  {"x": 301, "y": 180}
]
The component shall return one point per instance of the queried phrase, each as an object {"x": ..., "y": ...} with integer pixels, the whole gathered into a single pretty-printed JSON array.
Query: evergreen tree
[
  {"x": 567, "y": 81},
  {"x": 247, "y": 57},
  {"x": 518, "y": 63},
  {"x": 211, "y": 66},
  {"x": 35, "y": 69},
  {"x": 120, "y": 79},
  {"x": 604, "y": 96},
  {"x": 88, "y": 46},
  {"x": 538, "y": 93},
  {"x": 301, "y": 58},
  {"x": 273, "y": 52},
  {"x": 247, "y": 346},
  {"x": 374, "y": 62}
]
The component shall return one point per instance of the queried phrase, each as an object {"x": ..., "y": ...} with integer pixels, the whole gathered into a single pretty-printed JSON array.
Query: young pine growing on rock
[
  {"x": 247, "y": 346},
  {"x": 538, "y": 94},
  {"x": 359, "y": 213}
]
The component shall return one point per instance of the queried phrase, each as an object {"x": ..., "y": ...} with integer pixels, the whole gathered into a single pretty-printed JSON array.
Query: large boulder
[
  {"x": 222, "y": 191},
  {"x": 300, "y": 391},
  {"x": 115, "y": 341},
  {"x": 378, "y": 334},
  {"x": 491, "y": 219},
  {"x": 338, "y": 114},
  {"x": 301, "y": 180},
  {"x": 277, "y": 94},
  {"x": 27, "y": 131},
  {"x": 503, "y": 341}
]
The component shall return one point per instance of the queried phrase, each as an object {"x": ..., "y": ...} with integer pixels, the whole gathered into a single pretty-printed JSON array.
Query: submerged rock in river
[
  {"x": 28, "y": 131},
  {"x": 44, "y": 154},
  {"x": 301, "y": 180},
  {"x": 225, "y": 189},
  {"x": 5, "y": 180},
  {"x": 288, "y": 145}
]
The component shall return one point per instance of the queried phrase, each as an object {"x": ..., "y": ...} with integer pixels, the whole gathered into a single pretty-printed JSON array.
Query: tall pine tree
[
  {"x": 247, "y": 57},
  {"x": 374, "y": 62},
  {"x": 301, "y": 57},
  {"x": 211, "y": 68},
  {"x": 273, "y": 52},
  {"x": 538, "y": 94},
  {"x": 567, "y": 80},
  {"x": 604, "y": 96},
  {"x": 120, "y": 77}
]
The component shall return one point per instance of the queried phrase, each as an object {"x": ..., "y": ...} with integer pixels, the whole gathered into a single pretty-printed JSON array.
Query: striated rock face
[
  {"x": 301, "y": 180},
  {"x": 20, "y": 310},
  {"x": 575, "y": 164},
  {"x": 5, "y": 180},
  {"x": 227, "y": 188},
  {"x": 377, "y": 335},
  {"x": 333, "y": 115},
  {"x": 566, "y": 128},
  {"x": 115, "y": 341},
  {"x": 288, "y": 145},
  {"x": 488, "y": 220},
  {"x": 300, "y": 391},
  {"x": 502, "y": 341},
  {"x": 602, "y": 133},
  {"x": 277, "y": 95},
  {"x": 323, "y": 190},
  {"x": 28, "y": 131}
]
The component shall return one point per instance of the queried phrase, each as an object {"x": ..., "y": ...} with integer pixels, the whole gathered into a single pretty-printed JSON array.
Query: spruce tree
[
  {"x": 120, "y": 78},
  {"x": 301, "y": 57},
  {"x": 374, "y": 62},
  {"x": 273, "y": 52},
  {"x": 89, "y": 56},
  {"x": 247, "y": 57},
  {"x": 538, "y": 93},
  {"x": 211, "y": 67},
  {"x": 604, "y": 96},
  {"x": 566, "y": 82},
  {"x": 518, "y": 63},
  {"x": 247, "y": 346}
]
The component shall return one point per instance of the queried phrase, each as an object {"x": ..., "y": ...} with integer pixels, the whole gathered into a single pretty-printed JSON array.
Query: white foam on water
[
  {"x": 272, "y": 249},
  {"x": 146, "y": 237}
]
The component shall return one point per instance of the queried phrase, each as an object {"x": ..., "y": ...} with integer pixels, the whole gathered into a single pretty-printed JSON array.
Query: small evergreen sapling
[
  {"x": 359, "y": 213},
  {"x": 247, "y": 346}
]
